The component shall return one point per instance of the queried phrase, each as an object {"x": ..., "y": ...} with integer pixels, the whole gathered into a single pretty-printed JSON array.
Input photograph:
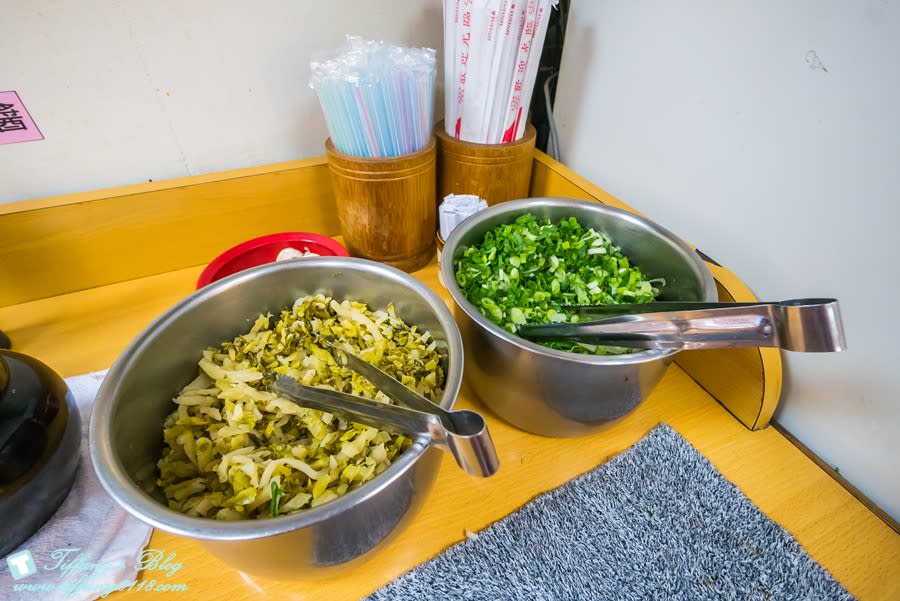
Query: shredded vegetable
[
  {"x": 233, "y": 450},
  {"x": 527, "y": 271}
]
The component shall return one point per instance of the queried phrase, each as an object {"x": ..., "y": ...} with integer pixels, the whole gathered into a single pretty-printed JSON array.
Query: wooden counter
[{"x": 82, "y": 275}]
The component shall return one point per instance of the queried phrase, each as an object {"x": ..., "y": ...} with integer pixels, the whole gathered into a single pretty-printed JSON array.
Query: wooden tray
[{"x": 58, "y": 245}]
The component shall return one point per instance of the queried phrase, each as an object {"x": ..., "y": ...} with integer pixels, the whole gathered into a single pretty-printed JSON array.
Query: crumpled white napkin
[
  {"x": 455, "y": 208},
  {"x": 90, "y": 545}
]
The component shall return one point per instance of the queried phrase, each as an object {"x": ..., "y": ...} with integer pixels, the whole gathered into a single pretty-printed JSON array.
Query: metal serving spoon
[{"x": 805, "y": 325}]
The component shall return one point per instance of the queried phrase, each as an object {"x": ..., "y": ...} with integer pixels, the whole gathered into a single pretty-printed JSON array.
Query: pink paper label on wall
[{"x": 16, "y": 125}]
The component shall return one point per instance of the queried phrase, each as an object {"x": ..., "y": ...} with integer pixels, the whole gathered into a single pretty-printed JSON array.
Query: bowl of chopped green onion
[
  {"x": 530, "y": 261},
  {"x": 187, "y": 434}
]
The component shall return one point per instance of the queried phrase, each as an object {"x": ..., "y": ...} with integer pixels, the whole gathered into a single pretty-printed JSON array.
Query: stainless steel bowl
[
  {"x": 135, "y": 397},
  {"x": 556, "y": 393}
]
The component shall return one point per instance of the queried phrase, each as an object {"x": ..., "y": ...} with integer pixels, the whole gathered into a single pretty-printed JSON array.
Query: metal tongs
[
  {"x": 463, "y": 433},
  {"x": 805, "y": 325}
]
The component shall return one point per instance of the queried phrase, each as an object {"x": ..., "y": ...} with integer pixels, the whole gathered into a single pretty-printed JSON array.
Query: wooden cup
[
  {"x": 387, "y": 206},
  {"x": 495, "y": 172}
]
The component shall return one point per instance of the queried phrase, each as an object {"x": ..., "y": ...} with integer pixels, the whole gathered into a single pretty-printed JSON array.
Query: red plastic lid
[{"x": 264, "y": 250}]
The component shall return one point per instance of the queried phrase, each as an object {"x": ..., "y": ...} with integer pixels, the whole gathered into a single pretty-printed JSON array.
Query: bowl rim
[
  {"x": 119, "y": 484},
  {"x": 209, "y": 273},
  {"x": 521, "y": 206}
]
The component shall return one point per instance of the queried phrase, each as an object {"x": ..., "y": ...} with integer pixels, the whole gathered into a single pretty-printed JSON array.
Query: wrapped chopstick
[{"x": 492, "y": 54}]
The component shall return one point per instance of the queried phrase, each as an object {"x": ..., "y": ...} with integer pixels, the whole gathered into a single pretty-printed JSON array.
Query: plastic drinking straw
[
  {"x": 384, "y": 87},
  {"x": 377, "y": 99},
  {"x": 401, "y": 115},
  {"x": 368, "y": 119},
  {"x": 420, "y": 114},
  {"x": 343, "y": 141},
  {"x": 334, "y": 111},
  {"x": 348, "y": 102},
  {"x": 412, "y": 88},
  {"x": 424, "y": 104},
  {"x": 429, "y": 104},
  {"x": 379, "y": 111},
  {"x": 380, "y": 119},
  {"x": 342, "y": 137},
  {"x": 410, "y": 109},
  {"x": 366, "y": 122},
  {"x": 387, "y": 145},
  {"x": 330, "y": 122}
]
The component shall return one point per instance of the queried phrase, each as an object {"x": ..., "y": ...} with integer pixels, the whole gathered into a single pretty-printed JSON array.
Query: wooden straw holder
[
  {"x": 387, "y": 206},
  {"x": 495, "y": 172}
]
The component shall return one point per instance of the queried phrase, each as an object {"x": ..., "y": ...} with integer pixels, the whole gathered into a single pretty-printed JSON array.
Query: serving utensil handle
[
  {"x": 469, "y": 441},
  {"x": 803, "y": 325}
]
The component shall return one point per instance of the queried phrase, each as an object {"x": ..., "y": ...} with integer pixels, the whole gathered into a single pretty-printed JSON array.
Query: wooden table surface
[{"x": 84, "y": 331}]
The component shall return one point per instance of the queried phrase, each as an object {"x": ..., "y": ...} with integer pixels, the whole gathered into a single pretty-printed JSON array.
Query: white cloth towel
[{"x": 90, "y": 544}]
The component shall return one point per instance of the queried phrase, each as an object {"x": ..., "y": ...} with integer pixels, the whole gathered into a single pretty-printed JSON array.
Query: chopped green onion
[{"x": 528, "y": 270}]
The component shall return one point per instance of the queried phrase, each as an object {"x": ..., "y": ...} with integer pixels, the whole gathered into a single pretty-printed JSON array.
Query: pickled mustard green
[{"x": 230, "y": 444}]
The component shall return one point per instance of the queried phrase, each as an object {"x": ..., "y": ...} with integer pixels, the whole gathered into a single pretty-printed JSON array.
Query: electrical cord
[{"x": 553, "y": 140}]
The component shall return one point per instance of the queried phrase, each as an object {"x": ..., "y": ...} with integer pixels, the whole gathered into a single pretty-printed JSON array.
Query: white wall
[
  {"x": 126, "y": 91},
  {"x": 768, "y": 133}
]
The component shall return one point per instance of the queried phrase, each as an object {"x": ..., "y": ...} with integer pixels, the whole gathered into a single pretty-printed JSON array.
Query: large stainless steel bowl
[
  {"x": 136, "y": 395},
  {"x": 556, "y": 393}
]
